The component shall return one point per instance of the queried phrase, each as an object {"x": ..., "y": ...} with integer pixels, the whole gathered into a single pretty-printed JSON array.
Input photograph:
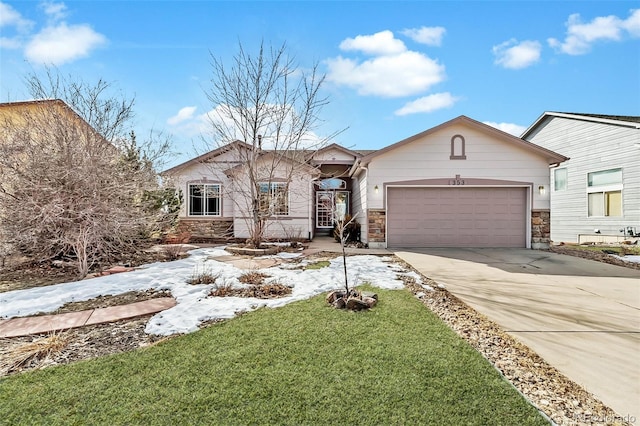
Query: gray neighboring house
[{"x": 595, "y": 195}]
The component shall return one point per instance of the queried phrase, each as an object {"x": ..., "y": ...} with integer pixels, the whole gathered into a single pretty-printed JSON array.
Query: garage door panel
[{"x": 456, "y": 217}]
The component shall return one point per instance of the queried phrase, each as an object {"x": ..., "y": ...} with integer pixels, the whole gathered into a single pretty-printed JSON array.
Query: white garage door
[{"x": 456, "y": 217}]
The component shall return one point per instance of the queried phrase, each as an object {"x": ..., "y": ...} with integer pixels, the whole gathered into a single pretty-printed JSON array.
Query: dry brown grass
[
  {"x": 267, "y": 291},
  {"x": 222, "y": 290},
  {"x": 35, "y": 354},
  {"x": 262, "y": 291},
  {"x": 207, "y": 276},
  {"x": 253, "y": 277}
]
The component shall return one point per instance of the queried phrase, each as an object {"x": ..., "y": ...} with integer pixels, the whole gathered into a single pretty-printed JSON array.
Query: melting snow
[{"x": 194, "y": 306}]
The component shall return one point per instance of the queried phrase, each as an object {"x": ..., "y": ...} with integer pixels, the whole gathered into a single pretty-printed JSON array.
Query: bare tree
[
  {"x": 272, "y": 105},
  {"x": 67, "y": 191},
  {"x": 110, "y": 115}
]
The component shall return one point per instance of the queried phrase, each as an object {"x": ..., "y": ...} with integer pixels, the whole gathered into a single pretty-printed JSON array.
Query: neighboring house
[
  {"x": 595, "y": 196},
  {"x": 459, "y": 184},
  {"x": 41, "y": 121},
  {"x": 30, "y": 130}
]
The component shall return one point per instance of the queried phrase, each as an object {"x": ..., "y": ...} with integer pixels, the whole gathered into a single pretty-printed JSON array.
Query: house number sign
[{"x": 456, "y": 181}]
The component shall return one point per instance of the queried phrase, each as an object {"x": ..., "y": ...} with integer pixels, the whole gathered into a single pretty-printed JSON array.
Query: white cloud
[
  {"x": 632, "y": 23},
  {"x": 63, "y": 43},
  {"x": 9, "y": 17},
  {"x": 55, "y": 11},
  {"x": 188, "y": 124},
  {"x": 580, "y": 36},
  {"x": 56, "y": 43},
  {"x": 382, "y": 43},
  {"x": 10, "y": 43},
  {"x": 511, "y": 128},
  {"x": 514, "y": 55},
  {"x": 428, "y": 104},
  {"x": 431, "y": 36},
  {"x": 394, "y": 71},
  {"x": 184, "y": 114}
]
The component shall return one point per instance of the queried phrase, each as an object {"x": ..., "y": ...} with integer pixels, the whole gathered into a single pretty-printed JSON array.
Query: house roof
[
  {"x": 339, "y": 148},
  {"x": 270, "y": 154},
  {"x": 53, "y": 103},
  {"x": 616, "y": 120},
  {"x": 334, "y": 146},
  {"x": 552, "y": 157},
  {"x": 306, "y": 154},
  {"x": 207, "y": 156}
]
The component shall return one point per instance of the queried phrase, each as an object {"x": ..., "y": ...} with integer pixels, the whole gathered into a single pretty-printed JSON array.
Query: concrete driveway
[{"x": 582, "y": 316}]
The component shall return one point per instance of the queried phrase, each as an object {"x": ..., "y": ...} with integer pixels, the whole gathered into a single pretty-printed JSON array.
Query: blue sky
[{"x": 394, "y": 68}]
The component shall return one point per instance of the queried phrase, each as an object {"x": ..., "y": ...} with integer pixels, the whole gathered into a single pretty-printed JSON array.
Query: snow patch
[{"x": 194, "y": 306}]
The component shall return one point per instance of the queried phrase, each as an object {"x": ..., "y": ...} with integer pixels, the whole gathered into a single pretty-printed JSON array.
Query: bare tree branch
[{"x": 268, "y": 102}]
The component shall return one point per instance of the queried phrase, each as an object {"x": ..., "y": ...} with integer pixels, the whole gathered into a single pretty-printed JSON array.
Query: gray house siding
[{"x": 592, "y": 146}]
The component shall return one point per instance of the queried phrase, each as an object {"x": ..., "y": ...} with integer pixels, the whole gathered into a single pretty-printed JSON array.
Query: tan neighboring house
[
  {"x": 40, "y": 121},
  {"x": 459, "y": 184}
]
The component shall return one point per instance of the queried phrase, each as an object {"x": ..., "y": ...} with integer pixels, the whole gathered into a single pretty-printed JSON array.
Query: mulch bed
[{"x": 598, "y": 256}]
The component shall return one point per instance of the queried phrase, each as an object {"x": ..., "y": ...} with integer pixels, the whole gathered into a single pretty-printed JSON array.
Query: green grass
[
  {"x": 318, "y": 265},
  {"x": 305, "y": 363}
]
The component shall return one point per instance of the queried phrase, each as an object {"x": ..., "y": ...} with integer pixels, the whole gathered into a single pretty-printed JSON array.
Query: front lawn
[{"x": 304, "y": 363}]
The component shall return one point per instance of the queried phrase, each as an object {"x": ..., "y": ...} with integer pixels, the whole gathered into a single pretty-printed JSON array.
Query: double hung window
[{"x": 604, "y": 193}]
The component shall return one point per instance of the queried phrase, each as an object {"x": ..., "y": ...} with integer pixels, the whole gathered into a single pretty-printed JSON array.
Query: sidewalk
[{"x": 15, "y": 327}]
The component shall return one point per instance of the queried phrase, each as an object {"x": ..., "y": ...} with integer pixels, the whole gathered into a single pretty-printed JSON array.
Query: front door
[{"x": 331, "y": 205}]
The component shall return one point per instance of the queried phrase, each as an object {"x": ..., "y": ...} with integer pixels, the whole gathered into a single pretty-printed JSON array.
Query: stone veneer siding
[
  {"x": 206, "y": 228},
  {"x": 540, "y": 229},
  {"x": 377, "y": 226}
]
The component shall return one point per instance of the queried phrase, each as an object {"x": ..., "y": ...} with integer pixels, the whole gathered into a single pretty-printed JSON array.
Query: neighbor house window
[
  {"x": 604, "y": 193},
  {"x": 560, "y": 179},
  {"x": 274, "y": 198},
  {"x": 204, "y": 200}
]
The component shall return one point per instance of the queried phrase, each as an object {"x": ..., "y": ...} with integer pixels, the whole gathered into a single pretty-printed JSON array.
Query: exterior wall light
[
  {"x": 542, "y": 190},
  {"x": 375, "y": 188}
]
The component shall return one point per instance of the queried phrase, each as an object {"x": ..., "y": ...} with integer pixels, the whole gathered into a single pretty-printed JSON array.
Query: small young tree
[
  {"x": 343, "y": 229},
  {"x": 270, "y": 104}
]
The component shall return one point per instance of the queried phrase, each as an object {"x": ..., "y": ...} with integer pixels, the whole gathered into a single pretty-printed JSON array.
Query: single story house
[
  {"x": 459, "y": 184},
  {"x": 595, "y": 196}
]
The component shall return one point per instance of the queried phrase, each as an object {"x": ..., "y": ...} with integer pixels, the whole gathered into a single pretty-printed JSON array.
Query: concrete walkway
[
  {"x": 25, "y": 326},
  {"x": 581, "y": 316}
]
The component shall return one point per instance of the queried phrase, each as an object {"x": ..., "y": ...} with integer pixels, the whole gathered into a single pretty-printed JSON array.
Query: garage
[{"x": 456, "y": 217}]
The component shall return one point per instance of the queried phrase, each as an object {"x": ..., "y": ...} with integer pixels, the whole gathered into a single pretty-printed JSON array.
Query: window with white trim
[
  {"x": 274, "y": 198},
  {"x": 204, "y": 199},
  {"x": 560, "y": 179},
  {"x": 604, "y": 193}
]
